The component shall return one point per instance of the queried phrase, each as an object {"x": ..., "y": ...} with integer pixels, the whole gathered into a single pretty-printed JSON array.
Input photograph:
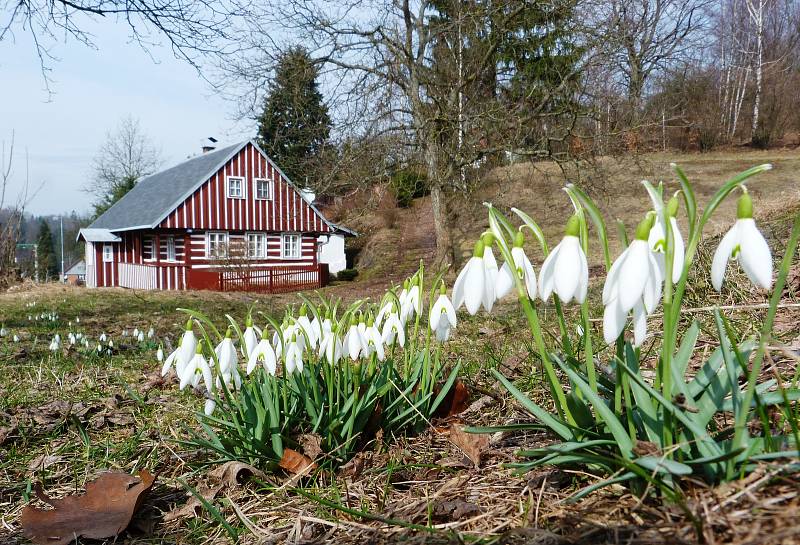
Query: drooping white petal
[
  {"x": 474, "y": 284},
  {"x": 208, "y": 408},
  {"x": 639, "y": 324},
  {"x": 505, "y": 281},
  {"x": 652, "y": 287},
  {"x": 755, "y": 256},
  {"x": 614, "y": 318},
  {"x": 583, "y": 286},
  {"x": 633, "y": 274},
  {"x": 547, "y": 274},
  {"x": 568, "y": 269},
  {"x": 610, "y": 286},
  {"x": 458, "y": 287},
  {"x": 722, "y": 255},
  {"x": 679, "y": 253}
]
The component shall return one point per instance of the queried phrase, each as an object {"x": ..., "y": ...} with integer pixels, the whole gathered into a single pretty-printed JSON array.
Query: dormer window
[{"x": 235, "y": 188}]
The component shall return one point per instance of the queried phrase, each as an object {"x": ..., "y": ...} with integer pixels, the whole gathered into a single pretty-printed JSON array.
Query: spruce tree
[
  {"x": 294, "y": 127},
  {"x": 48, "y": 267}
]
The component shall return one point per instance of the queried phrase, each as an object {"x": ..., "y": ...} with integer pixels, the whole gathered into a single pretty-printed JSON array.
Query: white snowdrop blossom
[
  {"x": 160, "y": 354},
  {"x": 442, "y": 317},
  {"x": 354, "y": 342},
  {"x": 304, "y": 325},
  {"x": 294, "y": 357},
  {"x": 187, "y": 347},
  {"x": 506, "y": 277},
  {"x": 658, "y": 238},
  {"x": 103, "y": 337},
  {"x": 195, "y": 370},
  {"x": 250, "y": 338},
  {"x": 633, "y": 284},
  {"x": 373, "y": 342},
  {"x": 265, "y": 354},
  {"x": 474, "y": 285},
  {"x": 16, "y": 338},
  {"x": 565, "y": 270},
  {"x": 331, "y": 347},
  {"x": 208, "y": 408},
  {"x": 745, "y": 243},
  {"x": 227, "y": 357},
  {"x": 393, "y": 331}
]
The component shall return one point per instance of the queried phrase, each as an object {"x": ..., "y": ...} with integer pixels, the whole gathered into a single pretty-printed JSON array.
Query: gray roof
[
  {"x": 91, "y": 234},
  {"x": 78, "y": 268},
  {"x": 155, "y": 196}
]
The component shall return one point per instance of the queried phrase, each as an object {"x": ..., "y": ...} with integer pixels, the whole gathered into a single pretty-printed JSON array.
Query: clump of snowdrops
[
  {"x": 336, "y": 375},
  {"x": 617, "y": 423}
]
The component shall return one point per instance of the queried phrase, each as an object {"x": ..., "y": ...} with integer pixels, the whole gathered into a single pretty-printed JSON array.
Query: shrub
[
  {"x": 408, "y": 185},
  {"x": 347, "y": 275}
]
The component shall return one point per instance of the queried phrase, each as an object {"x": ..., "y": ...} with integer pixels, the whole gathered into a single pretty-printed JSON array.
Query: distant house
[
  {"x": 76, "y": 274},
  {"x": 228, "y": 219}
]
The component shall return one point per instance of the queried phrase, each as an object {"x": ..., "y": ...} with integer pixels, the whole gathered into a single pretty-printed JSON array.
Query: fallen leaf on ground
[
  {"x": 105, "y": 510},
  {"x": 295, "y": 462},
  {"x": 232, "y": 473},
  {"x": 471, "y": 444},
  {"x": 456, "y": 401},
  {"x": 312, "y": 445},
  {"x": 193, "y": 506}
]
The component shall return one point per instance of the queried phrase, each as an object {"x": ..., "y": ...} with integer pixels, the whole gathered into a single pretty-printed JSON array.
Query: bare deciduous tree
[{"x": 127, "y": 155}]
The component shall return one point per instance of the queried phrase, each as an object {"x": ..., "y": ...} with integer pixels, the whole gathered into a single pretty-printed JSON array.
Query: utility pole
[{"x": 61, "y": 221}]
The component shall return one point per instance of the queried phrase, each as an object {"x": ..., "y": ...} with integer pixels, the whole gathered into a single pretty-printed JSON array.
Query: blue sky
[{"x": 93, "y": 89}]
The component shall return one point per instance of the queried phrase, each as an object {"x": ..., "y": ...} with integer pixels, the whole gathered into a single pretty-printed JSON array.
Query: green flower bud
[
  {"x": 189, "y": 325},
  {"x": 519, "y": 239},
  {"x": 488, "y": 239},
  {"x": 672, "y": 207},
  {"x": 744, "y": 207},
  {"x": 643, "y": 229},
  {"x": 229, "y": 332},
  {"x": 479, "y": 248},
  {"x": 573, "y": 228},
  {"x": 248, "y": 322}
]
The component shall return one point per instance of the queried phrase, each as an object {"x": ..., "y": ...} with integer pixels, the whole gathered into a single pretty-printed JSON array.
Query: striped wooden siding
[
  {"x": 210, "y": 208},
  {"x": 308, "y": 249}
]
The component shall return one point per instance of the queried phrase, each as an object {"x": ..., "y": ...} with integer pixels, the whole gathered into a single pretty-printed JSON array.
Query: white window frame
[
  {"x": 242, "y": 184},
  {"x": 153, "y": 248},
  {"x": 225, "y": 237},
  {"x": 171, "y": 248},
  {"x": 108, "y": 253},
  {"x": 263, "y": 238},
  {"x": 284, "y": 238},
  {"x": 270, "y": 192}
]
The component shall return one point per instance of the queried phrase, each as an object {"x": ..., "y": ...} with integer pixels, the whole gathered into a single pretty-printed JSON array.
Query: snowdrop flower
[
  {"x": 475, "y": 283},
  {"x": 16, "y": 338},
  {"x": 305, "y": 326},
  {"x": 354, "y": 342},
  {"x": 633, "y": 284},
  {"x": 250, "y": 339},
  {"x": 745, "y": 243},
  {"x": 506, "y": 277},
  {"x": 489, "y": 262},
  {"x": 385, "y": 310},
  {"x": 264, "y": 353},
  {"x": 103, "y": 337},
  {"x": 409, "y": 301},
  {"x": 135, "y": 332},
  {"x": 160, "y": 354},
  {"x": 294, "y": 357},
  {"x": 55, "y": 344},
  {"x": 393, "y": 330},
  {"x": 373, "y": 341},
  {"x": 658, "y": 239},
  {"x": 227, "y": 359},
  {"x": 443, "y": 317},
  {"x": 140, "y": 337},
  {"x": 187, "y": 346},
  {"x": 331, "y": 347},
  {"x": 151, "y": 333},
  {"x": 111, "y": 344},
  {"x": 196, "y": 369},
  {"x": 208, "y": 408},
  {"x": 3, "y": 332},
  {"x": 566, "y": 270}
]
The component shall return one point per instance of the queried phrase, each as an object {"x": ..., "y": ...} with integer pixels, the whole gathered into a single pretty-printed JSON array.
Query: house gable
[{"x": 208, "y": 207}]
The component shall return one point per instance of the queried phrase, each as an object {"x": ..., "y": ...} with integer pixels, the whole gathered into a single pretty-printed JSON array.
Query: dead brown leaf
[
  {"x": 474, "y": 445},
  {"x": 456, "y": 401},
  {"x": 193, "y": 506},
  {"x": 312, "y": 445},
  {"x": 296, "y": 463},
  {"x": 455, "y": 509},
  {"x": 105, "y": 510},
  {"x": 44, "y": 461},
  {"x": 233, "y": 473}
]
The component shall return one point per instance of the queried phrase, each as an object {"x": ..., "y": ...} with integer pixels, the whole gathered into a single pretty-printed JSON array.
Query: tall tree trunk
[
  {"x": 757, "y": 14},
  {"x": 438, "y": 204}
]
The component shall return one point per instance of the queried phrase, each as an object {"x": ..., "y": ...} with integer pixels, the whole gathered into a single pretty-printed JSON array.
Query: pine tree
[
  {"x": 294, "y": 126},
  {"x": 48, "y": 268}
]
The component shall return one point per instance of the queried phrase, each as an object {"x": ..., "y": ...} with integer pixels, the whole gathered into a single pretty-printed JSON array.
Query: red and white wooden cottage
[{"x": 227, "y": 220}]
